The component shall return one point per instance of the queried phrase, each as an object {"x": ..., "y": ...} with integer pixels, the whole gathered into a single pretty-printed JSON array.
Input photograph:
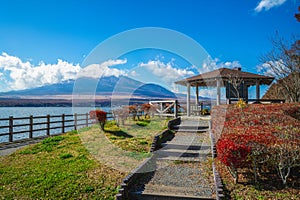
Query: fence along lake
[{"x": 26, "y": 112}]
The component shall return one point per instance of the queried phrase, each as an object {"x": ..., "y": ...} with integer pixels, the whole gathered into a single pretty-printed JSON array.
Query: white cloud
[
  {"x": 212, "y": 93},
  {"x": 166, "y": 71},
  {"x": 22, "y": 75},
  {"x": 134, "y": 73},
  {"x": 266, "y": 68},
  {"x": 104, "y": 69},
  {"x": 18, "y": 74},
  {"x": 210, "y": 64},
  {"x": 268, "y": 4}
]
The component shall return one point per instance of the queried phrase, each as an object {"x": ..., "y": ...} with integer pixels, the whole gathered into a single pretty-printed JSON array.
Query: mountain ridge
[{"x": 105, "y": 86}]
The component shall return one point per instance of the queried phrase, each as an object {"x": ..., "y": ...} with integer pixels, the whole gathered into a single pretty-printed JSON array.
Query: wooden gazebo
[{"x": 224, "y": 77}]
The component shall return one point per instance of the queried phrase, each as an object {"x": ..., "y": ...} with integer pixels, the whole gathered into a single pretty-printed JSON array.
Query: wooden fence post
[
  {"x": 175, "y": 109},
  {"x": 75, "y": 121},
  {"x": 63, "y": 123},
  {"x": 48, "y": 125},
  {"x": 30, "y": 126},
  {"x": 87, "y": 119},
  {"x": 11, "y": 128}
]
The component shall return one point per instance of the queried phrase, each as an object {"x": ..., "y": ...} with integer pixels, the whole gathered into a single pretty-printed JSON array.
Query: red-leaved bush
[
  {"x": 99, "y": 116},
  {"x": 232, "y": 154},
  {"x": 258, "y": 135}
]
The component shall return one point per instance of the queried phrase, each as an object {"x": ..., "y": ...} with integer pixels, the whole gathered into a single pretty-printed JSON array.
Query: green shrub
[
  {"x": 66, "y": 155},
  {"x": 142, "y": 123}
]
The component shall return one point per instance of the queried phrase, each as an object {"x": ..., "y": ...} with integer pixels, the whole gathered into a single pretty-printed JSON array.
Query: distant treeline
[
  {"x": 7, "y": 102},
  {"x": 40, "y": 103}
]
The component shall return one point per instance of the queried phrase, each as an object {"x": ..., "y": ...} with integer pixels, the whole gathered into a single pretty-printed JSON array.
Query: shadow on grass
[{"x": 119, "y": 133}]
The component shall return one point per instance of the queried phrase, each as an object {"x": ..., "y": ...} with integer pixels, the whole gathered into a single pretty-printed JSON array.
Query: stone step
[
  {"x": 191, "y": 130},
  {"x": 180, "y": 146},
  {"x": 194, "y": 123},
  {"x": 186, "y": 141},
  {"x": 188, "y": 144},
  {"x": 154, "y": 196},
  {"x": 190, "y": 126},
  {"x": 170, "y": 192},
  {"x": 200, "y": 158},
  {"x": 181, "y": 126},
  {"x": 178, "y": 153},
  {"x": 167, "y": 155}
]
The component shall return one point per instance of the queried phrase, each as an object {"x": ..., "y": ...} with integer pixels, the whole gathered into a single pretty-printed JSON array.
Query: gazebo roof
[{"x": 210, "y": 78}]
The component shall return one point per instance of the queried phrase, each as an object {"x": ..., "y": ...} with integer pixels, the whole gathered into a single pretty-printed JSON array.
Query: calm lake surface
[{"x": 6, "y": 112}]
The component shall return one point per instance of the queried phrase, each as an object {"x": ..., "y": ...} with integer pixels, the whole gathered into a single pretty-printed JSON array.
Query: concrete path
[{"x": 9, "y": 148}]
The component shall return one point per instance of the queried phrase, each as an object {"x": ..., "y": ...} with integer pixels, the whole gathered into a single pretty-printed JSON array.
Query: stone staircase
[
  {"x": 192, "y": 126},
  {"x": 179, "y": 167}
]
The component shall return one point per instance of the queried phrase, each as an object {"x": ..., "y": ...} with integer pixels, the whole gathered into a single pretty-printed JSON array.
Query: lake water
[{"x": 6, "y": 112}]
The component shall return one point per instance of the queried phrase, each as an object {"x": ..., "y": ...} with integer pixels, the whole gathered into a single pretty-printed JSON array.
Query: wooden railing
[
  {"x": 32, "y": 127},
  {"x": 167, "y": 108},
  {"x": 230, "y": 101}
]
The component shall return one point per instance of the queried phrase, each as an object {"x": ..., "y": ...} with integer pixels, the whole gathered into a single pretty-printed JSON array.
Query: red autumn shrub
[
  {"x": 132, "y": 110},
  {"x": 258, "y": 134},
  {"x": 232, "y": 154},
  {"x": 146, "y": 109},
  {"x": 99, "y": 116}
]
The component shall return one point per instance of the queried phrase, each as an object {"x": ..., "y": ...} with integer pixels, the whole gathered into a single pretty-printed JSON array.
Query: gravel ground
[{"x": 182, "y": 179}]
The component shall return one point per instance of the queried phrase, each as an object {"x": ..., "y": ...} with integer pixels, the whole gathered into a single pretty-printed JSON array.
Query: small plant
[
  {"x": 89, "y": 188},
  {"x": 205, "y": 111},
  {"x": 146, "y": 108},
  {"x": 241, "y": 104},
  {"x": 142, "y": 123},
  {"x": 143, "y": 142}
]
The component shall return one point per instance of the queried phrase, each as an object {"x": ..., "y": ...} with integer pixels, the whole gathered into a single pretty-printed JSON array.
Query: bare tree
[
  {"x": 283, "y": 62},
  {"x": 236, "y": 82},
  {"x": 297, "y": 15}
]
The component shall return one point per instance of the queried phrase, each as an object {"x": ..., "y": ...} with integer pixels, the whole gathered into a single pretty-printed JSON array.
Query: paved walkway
[
  {"x": 9, "y": 148},
  {"x": 181, "y": 173}
]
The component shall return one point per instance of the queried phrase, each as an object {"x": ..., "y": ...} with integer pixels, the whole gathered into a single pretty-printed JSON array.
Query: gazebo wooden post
[
  {"x": 218, "y": 91},
  {"x": 188, "y": 99},
  {"x": 197, "y": 95},
  {"x": 257, "y": 89}
]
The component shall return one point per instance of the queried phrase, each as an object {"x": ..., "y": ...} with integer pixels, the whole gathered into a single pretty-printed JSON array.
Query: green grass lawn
[
  {"x": 59, "y": 167},
  {"x": 135, "y": 136},
  {"x": 68, "y": 167}
]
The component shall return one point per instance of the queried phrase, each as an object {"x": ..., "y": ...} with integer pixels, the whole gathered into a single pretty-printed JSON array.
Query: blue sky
[{"x": 39, "y": 37}]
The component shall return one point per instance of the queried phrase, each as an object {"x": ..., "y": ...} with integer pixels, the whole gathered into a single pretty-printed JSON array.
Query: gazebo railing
[{"x": 231, "y": 101}]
